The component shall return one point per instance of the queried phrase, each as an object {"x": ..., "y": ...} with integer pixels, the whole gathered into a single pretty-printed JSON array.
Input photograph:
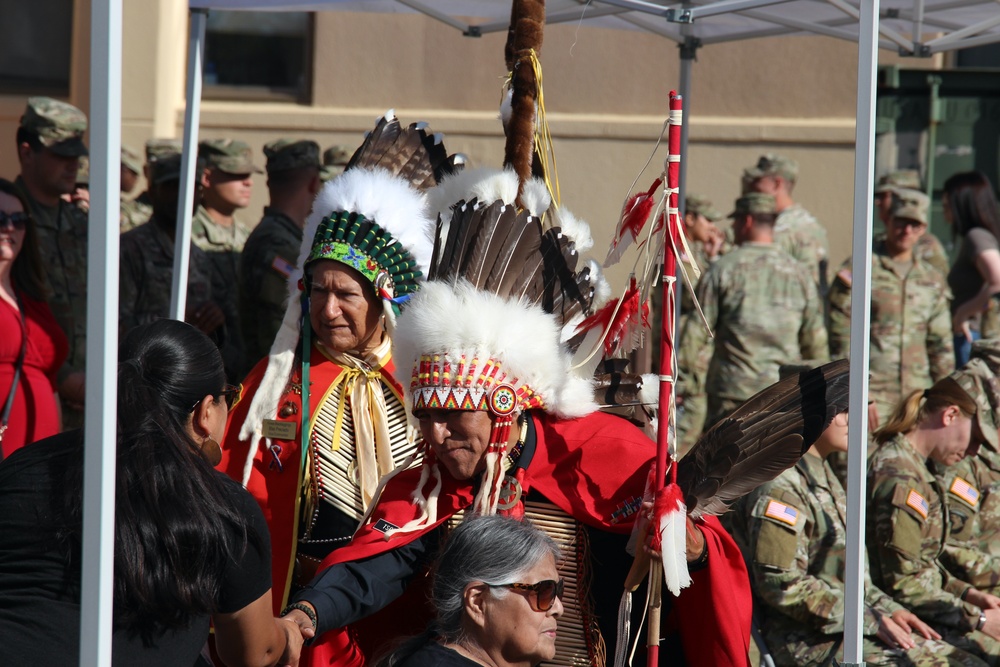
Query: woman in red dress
[{"x": 25, "y": 321}]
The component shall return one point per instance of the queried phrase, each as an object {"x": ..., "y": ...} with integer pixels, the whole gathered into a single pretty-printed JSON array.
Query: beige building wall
[{"x": 605, "y": 98}]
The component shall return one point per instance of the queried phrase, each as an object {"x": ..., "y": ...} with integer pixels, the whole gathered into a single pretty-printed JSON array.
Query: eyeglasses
[
  {"x": 18, "y": 220},
  {"x": 231, "y": 393},
  {"x": 544, "y": 593}
]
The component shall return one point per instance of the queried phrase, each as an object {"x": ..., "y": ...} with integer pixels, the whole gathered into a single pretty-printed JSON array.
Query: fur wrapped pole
[{"x": 524, "y": 39}]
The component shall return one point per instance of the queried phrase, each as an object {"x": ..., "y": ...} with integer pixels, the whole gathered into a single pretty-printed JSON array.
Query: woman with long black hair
[{"x": 190, "y": 544}]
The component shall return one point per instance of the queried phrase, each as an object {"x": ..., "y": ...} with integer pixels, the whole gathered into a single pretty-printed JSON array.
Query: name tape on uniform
[{"x": 782, "y": 512}]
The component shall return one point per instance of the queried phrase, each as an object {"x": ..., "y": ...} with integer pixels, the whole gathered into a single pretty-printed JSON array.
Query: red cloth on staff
[{"x": 594, "y": 468}]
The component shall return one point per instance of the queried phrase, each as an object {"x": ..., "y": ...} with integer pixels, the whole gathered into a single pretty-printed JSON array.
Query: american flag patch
[
  {"x": 917, "y": 502},
  {"x": 965, "y": 491},
  {"x": 282, "y": 267},
  {"x": 782, "y": 512}
]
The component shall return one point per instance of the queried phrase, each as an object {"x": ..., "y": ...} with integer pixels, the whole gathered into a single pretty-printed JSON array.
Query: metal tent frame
[{"x": 933, "y": 26}]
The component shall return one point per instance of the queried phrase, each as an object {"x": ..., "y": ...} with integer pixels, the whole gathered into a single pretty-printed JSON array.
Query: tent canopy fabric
[{"x": 912, "y": 27}]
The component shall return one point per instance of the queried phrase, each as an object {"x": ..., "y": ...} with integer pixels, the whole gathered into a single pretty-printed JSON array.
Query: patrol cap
[
  {"x": 230, "y": 156},
  {"x": 59, "y": 126},
  {"x": 754, "y": 203},
  {"x": 83, "y": 171},
  {"x": 903, "y": 178},
  {"x": 701, "y": 206},
  {"x": 910, "y": 205},
  {"x": 772, "y": 164},
  {"x": 335, "y": 158},
  {"x": 159, "y": 147},
  {"x": 165, "y": 168},
  {"x": 982, "y": 386},
  {"x": 284, "y": 154},
  {"x": 131, "y": 160}
]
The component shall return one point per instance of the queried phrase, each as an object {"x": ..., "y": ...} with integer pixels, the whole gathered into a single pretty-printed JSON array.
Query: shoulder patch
[
  {"x": 844, "y": 275},
  {"x": 961, "y": 489},
  {"x": 282, "y": 267},
  {"x": 917, "y": 502},
  {"x": 781, "y": 512}
]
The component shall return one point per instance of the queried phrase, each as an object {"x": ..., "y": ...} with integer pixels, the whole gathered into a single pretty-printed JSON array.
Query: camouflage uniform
[
  {"x": 146, "y": 277},
  {"x": 224, "y": 245},
  {"x": 908, "y": 528},
  {"x": 335, "y": 158},
  {"x": 138, "y": 211},
  {"x": 793, "y": 532},
  {"x": 62, "y": 236},
  {"x": 270, "y": 255},
  {"x": 911, "y": 339},
  {"x": 764, "y": 312},
  {"x": 928, "y": 248}
]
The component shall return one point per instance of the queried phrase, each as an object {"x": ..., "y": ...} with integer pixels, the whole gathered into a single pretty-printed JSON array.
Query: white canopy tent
[{"x": 913, "y": 27}]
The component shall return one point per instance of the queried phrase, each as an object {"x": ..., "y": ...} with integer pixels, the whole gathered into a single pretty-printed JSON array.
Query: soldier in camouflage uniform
[
  {"x": 796, "y": 231},
  {"x": 928, "y": 247},
  {"x": 49, "y": 146},
  {"x": 911, "y": 339},
  {"x": 227, "y": 183},
  {"x": 908, "y": 528},
  {"x": 271, "y": 252},
  {"x": 138, "y": 211},
  {"x": 705, "y": 240},
  {"x": 131, "y": 212},
  {"x": 793, "y": 533},
  {"x": 763, "y": 310},
  {"x": 335, "y": 159},
  {"x": 147, "y": 262}
]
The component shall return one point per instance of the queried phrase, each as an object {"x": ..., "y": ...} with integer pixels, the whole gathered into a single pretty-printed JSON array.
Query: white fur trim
[
  {"x": 536, "y": 197},
  {"x": 457, "y": 319},
  {"x": 602, "y": 288},
  {"x": 649, "y": 393},
  {"x": 573, "y": 227},
  {"x": 487, "y": 184}
]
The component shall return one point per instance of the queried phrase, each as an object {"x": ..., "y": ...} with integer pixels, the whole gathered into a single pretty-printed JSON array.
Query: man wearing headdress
[
  {"x": 508, "y": 427},
  {"x": 322, "y": 418}
]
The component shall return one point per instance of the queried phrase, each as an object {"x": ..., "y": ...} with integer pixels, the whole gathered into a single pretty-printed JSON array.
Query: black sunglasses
[
  {"x": 18, "y": 220},
  {"x": 544, "y": 593},
  {"x": 231, "y": 393}
]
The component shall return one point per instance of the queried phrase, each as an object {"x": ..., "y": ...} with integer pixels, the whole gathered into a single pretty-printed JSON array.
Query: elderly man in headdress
[{"x": 322, "y": 419}]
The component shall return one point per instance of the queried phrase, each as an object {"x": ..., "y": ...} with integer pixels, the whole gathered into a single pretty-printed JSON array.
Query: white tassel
[
  {"x": 622, "y": 658},
  {"x": 673, "y": 537}
]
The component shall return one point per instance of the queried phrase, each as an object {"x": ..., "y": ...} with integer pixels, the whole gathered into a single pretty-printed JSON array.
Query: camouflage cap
[
  {"x": 335, "y": 158},
  {"x": 165, "y": 168},
  {"x": 131, "y": 160},
  {"x": 59, "y": 126},
  {"x": 83, "y": 171},
  {"x": 987, "y": 349},
  {"x": 982, "y": 386},
  {"x": 229, "y": 156},
  {"x": 904, "y": 178},
  {"x": 910, "y": 205},
  {"x": 157, "y": 148},
  {"x": 754, "y": 203},
  {"x": 284, "y": 154},
  {"x": 772, "y": 164},
  {"x": 701, "y": 206}
]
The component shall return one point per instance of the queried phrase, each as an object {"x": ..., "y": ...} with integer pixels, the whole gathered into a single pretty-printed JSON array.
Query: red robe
[
  {"x": 277, "y": 490},
  {"x": 594, "y": 468}
]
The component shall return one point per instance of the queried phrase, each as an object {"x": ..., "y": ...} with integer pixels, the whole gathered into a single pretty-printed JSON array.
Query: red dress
[{"x": 34, "y": 414}]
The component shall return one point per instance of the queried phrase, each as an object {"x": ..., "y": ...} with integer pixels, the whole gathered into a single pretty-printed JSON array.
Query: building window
[
  {"x": 979, "y": 56},
  {"x": 258, "y": 56},
  {"x": 36, "y": 39}
]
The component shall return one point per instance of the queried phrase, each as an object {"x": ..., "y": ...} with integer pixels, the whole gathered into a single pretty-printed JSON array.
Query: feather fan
[
  {"x": 409, "y": 153},
  {"x": 761, "y": 438}
]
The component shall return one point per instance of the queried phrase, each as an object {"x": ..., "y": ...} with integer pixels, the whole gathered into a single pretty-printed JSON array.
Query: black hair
[
  {"x": 176, "y": 525},
  {"x": 30, "y": 137},
  {"x": 27, "y": 274},
  {"x": 972, "y": 203}
]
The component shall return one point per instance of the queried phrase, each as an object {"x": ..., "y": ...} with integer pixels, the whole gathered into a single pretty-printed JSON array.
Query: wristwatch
[{"x": 982, "y": 620}]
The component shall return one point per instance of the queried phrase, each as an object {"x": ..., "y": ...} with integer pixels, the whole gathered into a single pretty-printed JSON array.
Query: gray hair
[{"x": 492, "y": 549}]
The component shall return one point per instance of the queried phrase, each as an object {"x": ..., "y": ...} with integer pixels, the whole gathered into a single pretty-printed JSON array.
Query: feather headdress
[{"x": 373, "y": 218}]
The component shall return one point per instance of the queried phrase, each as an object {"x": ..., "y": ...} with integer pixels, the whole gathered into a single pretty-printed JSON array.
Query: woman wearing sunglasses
[
  {"x": 496, "y": 595},
  {"x": 190, "y": 544},
  {"x": 32, "y": 346}
]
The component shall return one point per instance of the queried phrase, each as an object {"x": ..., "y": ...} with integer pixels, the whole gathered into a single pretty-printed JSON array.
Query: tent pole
[
  {"x": 189, "y": 160},
  {"x": 688, "y": 49},
  {"x": 864, "y": 164},
  {"x": 97, "y": 580}
]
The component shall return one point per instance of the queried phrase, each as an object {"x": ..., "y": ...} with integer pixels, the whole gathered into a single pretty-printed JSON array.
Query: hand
[
  {"x": 981, "y": 599},
  {"x": 892, "y": 634},
  {"x": 911, "y": 623},
  {"x": 206, "y": 318},
  {"x": 302, "y": 622},
  {"x": 872, "y": 418},
  {"x": 81, "y": 197},
  {"x": 713, "y": 247},
  {"x": 73, "y": 390},
  {"x": 960, "y": 326},
  {"x": 695, "y": 541},
  {"x": 294, "y": 639}
]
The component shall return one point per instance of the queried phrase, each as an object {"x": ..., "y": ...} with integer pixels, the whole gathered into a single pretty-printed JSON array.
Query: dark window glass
[
  {"x": 35, "y": 44},
  {"x": 980, "y": 56},
  {"x": 258, "y": 55}
]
